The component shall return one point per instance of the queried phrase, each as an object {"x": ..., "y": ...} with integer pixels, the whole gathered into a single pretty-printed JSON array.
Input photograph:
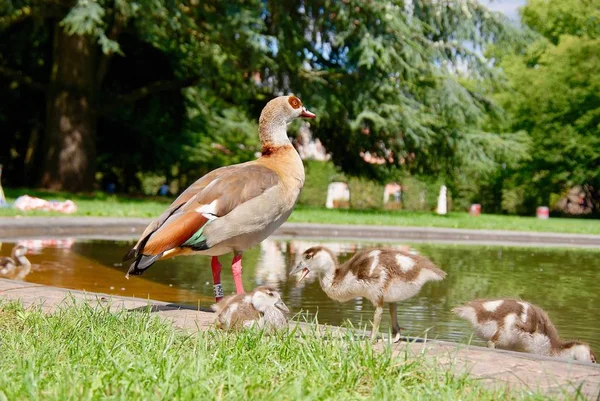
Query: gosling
[
  {"x": 378, "y": 274},
  {"x": 520, "y": 326},
  {"x": 8, "y": 265},
  {"x": 262, "y": 308}
]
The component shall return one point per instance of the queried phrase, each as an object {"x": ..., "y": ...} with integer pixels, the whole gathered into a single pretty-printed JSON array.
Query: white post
[
  {"x": 2, "y": 198},
  {"x": 442, "y": 203}
]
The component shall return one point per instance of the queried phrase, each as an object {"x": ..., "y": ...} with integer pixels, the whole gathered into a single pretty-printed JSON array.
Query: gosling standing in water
[
  {"x": 520, "y": 326},
  {"x": 17, "y": 259},
  {"x": 380, "y": 275},
  {"x": 262, "y": 308}
]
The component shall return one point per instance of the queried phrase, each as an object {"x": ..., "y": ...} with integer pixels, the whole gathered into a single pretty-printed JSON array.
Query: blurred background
[{"x": 497, "y": 100}]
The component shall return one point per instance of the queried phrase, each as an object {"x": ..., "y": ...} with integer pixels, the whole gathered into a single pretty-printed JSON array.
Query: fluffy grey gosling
[
  {"x": 262, "y": 308},
  {"x": 8, "y": 265},
  {"x": 520, "y": 326},
  {"x": 378, "y": 274}
]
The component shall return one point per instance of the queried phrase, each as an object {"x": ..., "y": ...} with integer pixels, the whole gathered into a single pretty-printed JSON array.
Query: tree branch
[
  {"x": 57, "y": 10},
  {"x": 21, "y": 78},
  {"x": 158, "y": 86},
  {"x": 154, "y": 87},
  {"x": 20, "y": 15},
  {"x": 117, "y": 27}
]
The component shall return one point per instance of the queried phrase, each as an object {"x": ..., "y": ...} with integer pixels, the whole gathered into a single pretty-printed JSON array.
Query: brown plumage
[
  {"x": 262, "y": 308},
  {"x": 378, "y": 274},
  {"x": 232, "y": 208},
  {"x": 520, "y": 326}
]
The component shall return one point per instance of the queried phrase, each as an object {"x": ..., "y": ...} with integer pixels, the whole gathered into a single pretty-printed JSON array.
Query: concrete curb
[{"x": 130, "y": 228}]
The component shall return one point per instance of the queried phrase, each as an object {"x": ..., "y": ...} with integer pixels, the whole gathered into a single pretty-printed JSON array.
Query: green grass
[
  {"x": 85, "y": 353},
  {"x": 96, "y": 204},
  {"x": 101, "y": 204},
  {"x": 452, "y": 220}
]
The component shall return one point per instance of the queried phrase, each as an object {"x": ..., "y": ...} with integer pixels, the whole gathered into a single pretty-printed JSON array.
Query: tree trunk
[{"x": 70, "y": 140}]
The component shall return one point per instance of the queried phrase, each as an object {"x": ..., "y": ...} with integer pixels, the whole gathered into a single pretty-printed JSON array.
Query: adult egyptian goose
[
  {"x": 520, "y": 326},
  {"x": 231, "y": 208},
  {"x": 262, "y": 308},
  {"x": 378, "y": 274},
  {"x": 8, "y": 265}
]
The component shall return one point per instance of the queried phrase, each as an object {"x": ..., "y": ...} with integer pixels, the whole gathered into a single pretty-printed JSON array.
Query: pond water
[{"x": 562, "y": 281}]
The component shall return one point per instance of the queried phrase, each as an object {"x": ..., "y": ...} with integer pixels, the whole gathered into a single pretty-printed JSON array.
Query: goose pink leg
[
  {"x": 216, "y": 272},
  {"x": 236, "y": 270}
]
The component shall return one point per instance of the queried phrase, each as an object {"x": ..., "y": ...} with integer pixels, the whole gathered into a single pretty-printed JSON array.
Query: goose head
[
  {"x": 274, "y": 118},
  {"x": 285, "y": 109},
  {"x": 317, "y": 259},
  {"x": 265, "y": 298}
]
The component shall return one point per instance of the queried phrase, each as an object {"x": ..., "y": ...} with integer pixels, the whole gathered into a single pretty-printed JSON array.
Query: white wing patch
[
  {"x": 491, "y": 306},
  {"x": 406, "y": 263},
  {"x": 375, "y": 255},
  {"x": 525, "y": 306},
  {"x": 209, "y": 211}
]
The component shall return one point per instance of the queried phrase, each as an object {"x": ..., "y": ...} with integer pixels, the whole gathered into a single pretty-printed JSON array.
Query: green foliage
[
  {"x": 553, "y": 96},
  {"x": 420, "y": 193},
  {"x": 365, "y": 194},
  {"x": 554, "y": 18},
  {"x": 318, "y": 177},
  {"x": 383, "y": 77},
  {"x": 399, "y": 64},
  {"x": 417, "y": 193}
]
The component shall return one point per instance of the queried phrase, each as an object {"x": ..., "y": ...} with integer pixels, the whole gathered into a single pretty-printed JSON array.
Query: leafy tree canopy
[
  {"x": 553, "y": 18},
  {"x": 405, "y": 81},
  {"x": 554, "y": 96}
]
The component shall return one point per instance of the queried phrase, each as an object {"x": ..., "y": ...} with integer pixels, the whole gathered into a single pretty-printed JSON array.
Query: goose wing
[{"x": 211, "y": 197}]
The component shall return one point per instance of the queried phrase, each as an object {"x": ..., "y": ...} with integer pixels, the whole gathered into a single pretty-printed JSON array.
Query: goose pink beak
[{"x": 307, "y": 114}]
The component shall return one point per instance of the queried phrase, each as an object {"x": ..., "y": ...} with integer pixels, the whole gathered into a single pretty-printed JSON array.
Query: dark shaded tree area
[{"x": 98, "y": 91}]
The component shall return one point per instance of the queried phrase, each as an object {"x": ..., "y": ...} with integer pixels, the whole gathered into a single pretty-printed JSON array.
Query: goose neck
[
  {"x": 328, "y": 273},
  {"x": 23, "y": 261},
  {"x": 273, "y": 132}
]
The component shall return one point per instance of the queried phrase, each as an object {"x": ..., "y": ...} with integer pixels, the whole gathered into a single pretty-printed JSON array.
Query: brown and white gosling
[
  {"x": 378, "y": 274},
  {"x": 262, "y": 308},
  {"x": 8, "y": 265},
  {"x": 520, "y": 326}
]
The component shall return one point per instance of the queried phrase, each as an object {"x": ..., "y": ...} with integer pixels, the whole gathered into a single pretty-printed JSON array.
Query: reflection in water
[
  {"x": 562, "y": 281},
  {"x": 37, "y": 245},
  {"x": 271, "y": 267},
  {"x": 33, "y": 247}
]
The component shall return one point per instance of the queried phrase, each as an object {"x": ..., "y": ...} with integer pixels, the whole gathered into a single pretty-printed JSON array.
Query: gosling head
[
  {"x": 578, "y": 351},
  {"x": 317, "y": 259},
  {"x": 264, "y": 298}
]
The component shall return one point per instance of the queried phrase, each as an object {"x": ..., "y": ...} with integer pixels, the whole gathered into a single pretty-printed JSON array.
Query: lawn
[
  {"x": 101, "y": 204},
  {"x": 452, "y": 220},
  {"x": 85, "y": 353}
]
